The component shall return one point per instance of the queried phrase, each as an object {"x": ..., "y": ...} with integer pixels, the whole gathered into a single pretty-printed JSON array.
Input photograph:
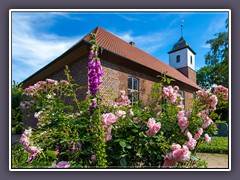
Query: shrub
[
  {"x": 217, "y": 145},
  {"x": 17, "y": 92}
]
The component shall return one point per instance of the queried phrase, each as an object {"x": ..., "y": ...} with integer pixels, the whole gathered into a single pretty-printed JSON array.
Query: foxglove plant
[
  {"x": 101, "y": 134},
  {"x": 95, "y": 72}
]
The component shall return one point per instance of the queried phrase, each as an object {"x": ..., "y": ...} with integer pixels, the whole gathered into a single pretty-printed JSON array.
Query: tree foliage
[{"x": 216, "y": 70}]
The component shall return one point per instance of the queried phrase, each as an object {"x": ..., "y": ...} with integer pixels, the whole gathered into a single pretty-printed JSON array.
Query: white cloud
[
  {"x": 217, "y": 25},
  {"x": 33, "y": 49},
  {"x": 128, "y": 18},
  {"x": 151, "y": 42},
  {"x": 206, "y": 46}
]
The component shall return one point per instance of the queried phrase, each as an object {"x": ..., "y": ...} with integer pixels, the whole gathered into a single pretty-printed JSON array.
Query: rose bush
[{"x": 82, "y": 134}]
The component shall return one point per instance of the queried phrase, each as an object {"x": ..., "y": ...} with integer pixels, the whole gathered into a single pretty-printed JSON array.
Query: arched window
[
  {"x": 178, "y": 58},
  {"x": 133, "y": 89}
]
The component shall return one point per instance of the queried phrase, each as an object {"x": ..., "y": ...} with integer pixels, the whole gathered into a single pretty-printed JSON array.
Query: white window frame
[
  {"x": 182, "y": 93},
  {"x": 132, "y": 88}
]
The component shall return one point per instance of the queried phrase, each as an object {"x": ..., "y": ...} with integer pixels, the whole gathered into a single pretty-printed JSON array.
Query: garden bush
[
  {"x": 217, "y": 145},
  {"x": 17, "y": 93},
  {"x": 92, "y": 134}
]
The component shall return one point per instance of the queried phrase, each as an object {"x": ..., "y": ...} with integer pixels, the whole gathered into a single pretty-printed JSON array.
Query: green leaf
[
  {"x": 128, "y": 146},
  {"x": 123, "y": 162},
  {"x": 123, "y": 155},
  {"x": 122, "y": 143},
  {"x": 52, "y": 154}
]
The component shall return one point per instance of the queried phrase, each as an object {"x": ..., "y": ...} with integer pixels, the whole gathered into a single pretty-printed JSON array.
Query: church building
[{"x": 126, "y": 67}]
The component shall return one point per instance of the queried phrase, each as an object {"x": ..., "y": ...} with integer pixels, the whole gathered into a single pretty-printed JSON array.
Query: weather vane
[{"x": 182, "y": 21}]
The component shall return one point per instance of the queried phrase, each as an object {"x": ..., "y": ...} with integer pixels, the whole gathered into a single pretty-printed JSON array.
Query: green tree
[
  {"x": 17, "y": 92},
  {"x": 216, "y": 60}
]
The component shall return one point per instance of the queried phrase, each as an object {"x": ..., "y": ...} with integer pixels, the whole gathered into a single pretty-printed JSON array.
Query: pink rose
[
  {"x": 153, "y": 127},
  {"x": 120, "y": 113},
  {"x": 170, "y": 163},
  {"x": 213, "y": 100},
  {"x": 63, "y": 164},
  {"x": 109, "y": 118},
  {"x": 122, "y": 92},
  {"x": 173, "y": 98},
  {"x": 32, "y": 149},
  {"x": 188, "y": 134},
  {"x": 175, "y": 147},
  {"x": 191, "y": 143},
  {"x": 207, "y": 138},
  {"x": 64, "y": 82},
  {"x": 93, "y": 157},
  {"x": 156, "y": 127},
  {"x": 151, "y": 123},
  {"x": 176, "y": 88},
  {"x": 31, "y": 157},
  {"x": 187, "y": 114},
  {"x": 207, "y": 122},
  {"x": 198, "y": 134},
  {"x": 108, "y": 137},
  {"x": 131, "y": 113}
]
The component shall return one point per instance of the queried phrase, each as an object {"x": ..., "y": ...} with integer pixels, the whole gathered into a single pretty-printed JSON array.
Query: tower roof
[{"x": 181, "y": 44}]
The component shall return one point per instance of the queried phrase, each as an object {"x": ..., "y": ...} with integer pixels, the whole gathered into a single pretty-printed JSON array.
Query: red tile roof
[{"x": 118, "y": 46}]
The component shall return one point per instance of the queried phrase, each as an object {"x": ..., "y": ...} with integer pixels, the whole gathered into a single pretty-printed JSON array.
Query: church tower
[{"x": 182, "y": 58}]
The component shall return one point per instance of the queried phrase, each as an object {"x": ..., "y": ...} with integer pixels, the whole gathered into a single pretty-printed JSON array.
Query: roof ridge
[
  {"x": 131, "y": 45},
  {"x": 170, "y": 70}
]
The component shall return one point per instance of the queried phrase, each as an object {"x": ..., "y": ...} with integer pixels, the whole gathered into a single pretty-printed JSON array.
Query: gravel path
[{"x": 215, "y": 160}]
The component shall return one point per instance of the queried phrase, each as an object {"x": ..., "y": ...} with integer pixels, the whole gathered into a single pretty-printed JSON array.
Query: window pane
[
  {"x": 135, "y": 84},
  {"x": 178, "y": 58},
  {"x": 130, "y": 83}
]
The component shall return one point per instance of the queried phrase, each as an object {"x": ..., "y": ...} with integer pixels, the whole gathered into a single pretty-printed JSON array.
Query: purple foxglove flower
[
  {"x": 93, "y": 157},
  {"x": 95, "y": 53},
  {"x": 73, "y": 148},
  {"x": 79, "y": 145}
]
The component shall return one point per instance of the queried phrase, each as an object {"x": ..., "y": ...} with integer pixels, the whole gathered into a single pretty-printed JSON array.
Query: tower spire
[{"x": 182, "y": 21}]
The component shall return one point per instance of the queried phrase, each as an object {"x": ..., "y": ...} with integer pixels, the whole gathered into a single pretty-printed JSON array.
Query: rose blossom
[
  {"x": 178, "y": 154},
  {"x": 213, "y": 101},
  {"x": 198, "y": 134},
  {"x": 93, "y": 157},
  {"x": 63, "y": 164},
  {"x": 120, "y": 113},
  {"x": 191, "y": 143},
  {"x": 32, "y": 149},
  {"x": 222, "y": 91},
  {"x": 207, "y": 122},
  {"x": 153, "y": 127},
  {"x": 109, "y": 118},
  {"x": 207, "y": 138},
  {"x": 64, "y": 82},
  {"x": 169, "y": 162},
  {"x": 131, "y": 113}
]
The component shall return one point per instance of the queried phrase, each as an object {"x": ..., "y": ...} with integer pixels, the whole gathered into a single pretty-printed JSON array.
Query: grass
[{"x": 217, "y": 145}]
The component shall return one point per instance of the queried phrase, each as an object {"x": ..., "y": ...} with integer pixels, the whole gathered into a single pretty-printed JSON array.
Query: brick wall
[
  {"x": 78, "y": 70},
  {"x": 189, "y": 73},
  {"x": 116, "y": 78}
]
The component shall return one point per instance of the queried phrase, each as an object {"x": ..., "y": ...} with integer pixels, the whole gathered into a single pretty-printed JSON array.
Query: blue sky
[{"x": 40, "y": 37}]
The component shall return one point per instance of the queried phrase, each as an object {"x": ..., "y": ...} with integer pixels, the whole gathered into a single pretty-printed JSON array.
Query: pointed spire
[{"x": 182, "y": 21}]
